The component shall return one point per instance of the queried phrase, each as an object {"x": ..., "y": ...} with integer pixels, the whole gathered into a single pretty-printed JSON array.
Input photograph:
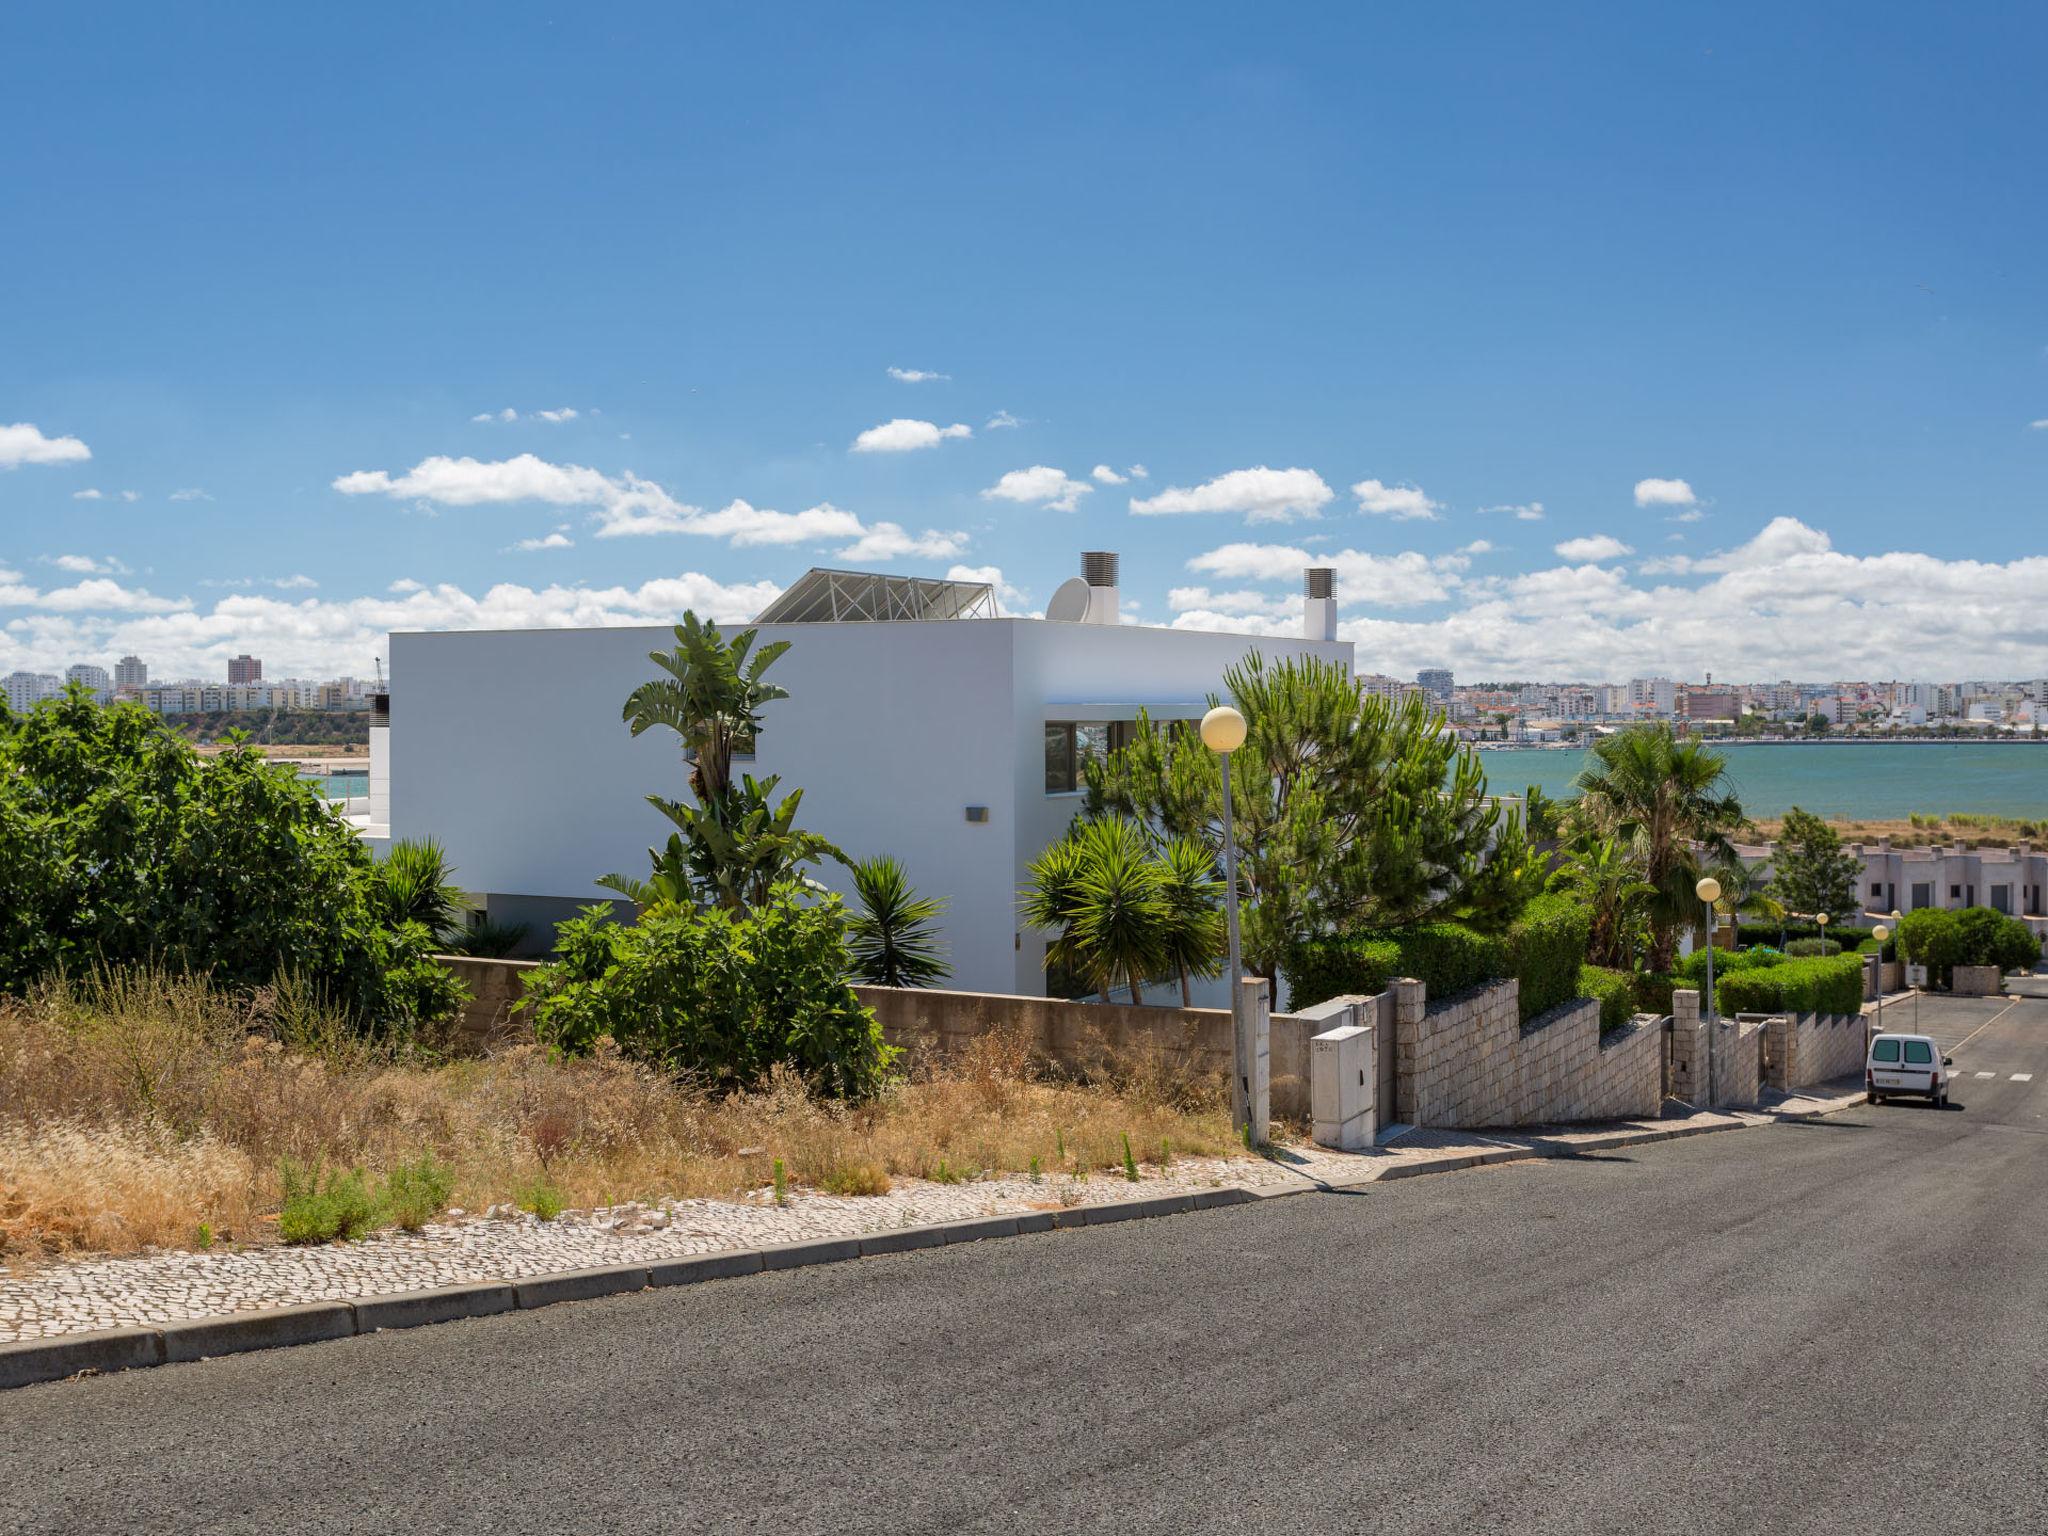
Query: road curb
[{"x": 121, "y": 1349}]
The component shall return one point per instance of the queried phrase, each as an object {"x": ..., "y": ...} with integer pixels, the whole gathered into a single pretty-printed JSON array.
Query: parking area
[{"x": 1950, "y": 1020}]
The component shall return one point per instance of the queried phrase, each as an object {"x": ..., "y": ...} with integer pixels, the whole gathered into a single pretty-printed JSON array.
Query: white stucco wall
[{"x": 508, "y": 746}]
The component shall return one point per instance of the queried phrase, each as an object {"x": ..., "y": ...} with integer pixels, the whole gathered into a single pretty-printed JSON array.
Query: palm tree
[
  {"x": 1105, "y": 895},
  {"x": 1601, "y": 875},
  {"x": 1194, "y": 934},
  {"x": 1665, "y": 800},
  {"x": 1746, "y": 892},
  {"x": 413, "y": 882},
  {"x": 891, "y": 940}
]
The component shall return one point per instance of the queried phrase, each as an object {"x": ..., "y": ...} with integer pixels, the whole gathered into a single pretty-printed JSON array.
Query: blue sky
[{"x": 1339, "y": 282}]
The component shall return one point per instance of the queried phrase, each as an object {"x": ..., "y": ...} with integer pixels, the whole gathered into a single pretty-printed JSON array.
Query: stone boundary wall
[
  {"x": 1818, "y": 1047},
  {"x": 1193, "y": 1043},
  {"x": 494, "y": 986},
  {"x": 1469, "y": 1062},
  {"x": 1738, "y": 1062},
  {"x": 1976, "y": 981}
]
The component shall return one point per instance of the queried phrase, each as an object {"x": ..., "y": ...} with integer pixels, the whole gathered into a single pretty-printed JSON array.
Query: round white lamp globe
[
  {"x": 1709, "y": 889},
  {"x": 1223, "y": 729}
]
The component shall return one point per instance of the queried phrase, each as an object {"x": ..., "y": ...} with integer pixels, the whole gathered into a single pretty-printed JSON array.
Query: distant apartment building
[
  {"x": 1709, "y": 704},
  {"x": 1435, "y": 683},
  {"x": 94, "y": 678},
  {"x": 1377, "y": 685},
  {"x": 131, "y": 672},
  {"x": 25, "y": 690},
  {"x": 245, "y": 669},
  {"x": 1653, "y": 695}
]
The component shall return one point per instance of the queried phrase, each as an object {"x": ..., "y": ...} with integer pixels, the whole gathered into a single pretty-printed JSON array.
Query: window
[
  {"x": 1884, "y": 1050},
  {"x": 1069, "y": 744},
  {"x": 1923, "y": 894},
  {"x": 2001, "y": 899},
  {"x": 1919, "y": 1054},
  {"x": 1877, "y": 889},
  {"x": 1955, "y": 893}
]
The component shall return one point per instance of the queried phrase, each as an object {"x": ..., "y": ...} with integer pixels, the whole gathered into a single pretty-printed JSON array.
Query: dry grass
[
  {"x": 144, "y": 1108},
  {"x": 1927, "y": 830}
]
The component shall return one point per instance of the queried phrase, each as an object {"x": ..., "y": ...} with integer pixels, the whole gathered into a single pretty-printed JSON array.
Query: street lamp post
[
  {"x": 1709, "y": 892},
  {"x": 1223, "y": 733},
  {"x": 1880, "y": 933}
]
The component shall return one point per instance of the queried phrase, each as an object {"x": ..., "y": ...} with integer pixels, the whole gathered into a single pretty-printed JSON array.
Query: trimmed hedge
[
  {"x": 1761, "y": 930},
  {"x": 1546, "y": 952},
  {"x": 1543, "y": 949},
  {"x": 1654, "y": 989},
  {"x": 1615, "y": 990},
  {"x": 1823, "y": 984},
  {"x": 1807, "y": 949}
]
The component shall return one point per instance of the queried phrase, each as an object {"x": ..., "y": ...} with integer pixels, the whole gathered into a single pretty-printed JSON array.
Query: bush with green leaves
[
  {"x": 1543, "y": 949},
  {"x": 1806, "y": 949},
  {"x": 1830, "y": 984},
  {"x": 893, "y": 938},
  {"x": 1615, "y": 991},
  {"x": 1941, "y": 940},
  {"x": 1653, "y": 990},
  {"x": 1546, "y": 952},
  {"x": 120, "y": 846},
  {"x": 1123, "y": 907},
  {"x": 325, "y": 1205},
  {"x": 716, "y": 995}
]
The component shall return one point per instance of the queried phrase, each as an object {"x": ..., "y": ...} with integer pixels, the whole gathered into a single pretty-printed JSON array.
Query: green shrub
[
  {"x": 415, "y": 1193},
  {"x": 121, "y": 846},
  {"x": 1352, "y": 967},
  {"x": 322, "y": 1205},
  {"x": 717, "y": 995},
  {"x": 1693, "y": 968},
  {"x": 540, "y": 1198},
  {"x": 1654, "y": 989},
  {"x": 1933, "y": 938},
  {"x": 1806, "y": 949},
  {"x": 1614, "y": 989},
  {"x": 2014, "y": 947},
  {"x": 1546, "y": 952},
  {"x": 1822, "y": 984}
]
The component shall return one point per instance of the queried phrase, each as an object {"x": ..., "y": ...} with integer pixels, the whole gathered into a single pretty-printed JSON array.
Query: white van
[{"x": 1906, "y": 1064}]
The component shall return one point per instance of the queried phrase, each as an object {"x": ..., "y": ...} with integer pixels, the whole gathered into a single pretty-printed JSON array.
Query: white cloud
[
  {"x": 916, "y": 376},
  {"x": 545, "y": 541},
  {"x": 1478, "y": 547},
  {"x": 88, "y": 565},
  {"x": 1598, "y": 546},
  {"x": 131, "y": 495},
  {"x": 1392, "y": 581},
  {"x": 557, "y": 416},
  {"x": 1402, "y": 503},
  {"x": 295, "y": 583},
  {"x": 88, "y": 494},
  {"x": 1010, "y": 597},
  {"x": 1139, "y": 472},
  {"x": 24, "y": 443},
  {"x": 1263, "y": 495},
  {"x": 1664, "y": 493},
  {"x": 1690, "y": 515},
  {"x": 191, "y": 493},
  {"x": 405, "y": 584},
  {"x": 2039, "y": 426},
  {"x": 903, "y": 435},
  {"x": 566, "y": 413},
  {"x": 99, "y": 594},
  {"x": 1108, "y": 476},
  {"x": 744, "y": 524},
  {"x": 312, "y": 638},
  {"x": 1524, "y": 511},
  {"x": 890, "y": 541},
  {"x": 467, "y": 482},
  {"x": 1042, "y": 485},
  {"x": 1000, "y": 420}
]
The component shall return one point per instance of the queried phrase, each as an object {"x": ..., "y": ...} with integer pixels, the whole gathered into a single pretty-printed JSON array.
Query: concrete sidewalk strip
[
  {"x": 975, "y": 1231},
  {"x": 273, "y": 1328},
  {"x": 110, "y": 1349},
  {"x": 443, "y": 1304},
  {"x": 809, "y": 1250},
  {"x": 581, "y": 1284}
]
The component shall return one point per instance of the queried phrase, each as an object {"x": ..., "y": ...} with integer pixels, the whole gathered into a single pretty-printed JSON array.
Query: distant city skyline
[{"x": 1657, "y": 344}]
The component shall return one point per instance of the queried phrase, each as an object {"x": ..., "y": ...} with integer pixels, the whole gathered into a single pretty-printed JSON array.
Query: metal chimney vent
[
  {"x": 1098, "y": 567},
  {"x": 1319, "y": 581}
]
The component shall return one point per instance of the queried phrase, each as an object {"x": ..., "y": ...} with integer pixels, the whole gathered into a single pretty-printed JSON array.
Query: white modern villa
[{"x": 921, "y": 723}]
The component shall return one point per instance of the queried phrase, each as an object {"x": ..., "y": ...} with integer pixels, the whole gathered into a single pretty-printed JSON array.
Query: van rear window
[
  {"x": 1884, "y": 1050},
  {"x": 1918, "y": 1053}
]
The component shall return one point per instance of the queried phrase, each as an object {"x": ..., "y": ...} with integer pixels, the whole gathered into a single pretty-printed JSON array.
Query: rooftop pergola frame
[{"x": 822, "y": 596}]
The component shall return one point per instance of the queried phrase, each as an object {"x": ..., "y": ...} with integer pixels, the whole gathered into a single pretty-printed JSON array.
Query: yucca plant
[
  {"x": 415, "y": 887},
  {"x": 892, "y": 940}
]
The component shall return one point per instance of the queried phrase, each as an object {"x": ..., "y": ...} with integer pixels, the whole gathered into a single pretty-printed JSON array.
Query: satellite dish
[{"x": 1070, "y": 603}]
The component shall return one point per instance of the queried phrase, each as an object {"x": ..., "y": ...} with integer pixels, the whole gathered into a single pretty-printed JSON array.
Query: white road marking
[
  {"x": 2023, "y": 1077},
  {"x": 1987, "y": 1074}
]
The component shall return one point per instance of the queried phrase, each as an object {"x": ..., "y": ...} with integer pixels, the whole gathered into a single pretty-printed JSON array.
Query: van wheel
[
  {"x": 1876, "y": 1097},
  {"x": 1870, "y": 1097}
]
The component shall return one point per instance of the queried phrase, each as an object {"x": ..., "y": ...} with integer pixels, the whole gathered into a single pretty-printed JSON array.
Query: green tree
[
  {"x": 120, "y": 845},
  {"x": 1195, "y": 934},
  {"x": 892, "y": 940},
  {"x": 1933, "y": 938},
  {"x": 1103, "y": 893},
  {"x": 1349, "y": 811},
  {"x": 1817, "y": 724},
  {"x": 1811, "y": 871},
  {"x": 736, "y": 843},
  {"x": 1666, "y": 801},
  {"x": 1600, "y": 874},
  {"x": 1746, "y": 892}
]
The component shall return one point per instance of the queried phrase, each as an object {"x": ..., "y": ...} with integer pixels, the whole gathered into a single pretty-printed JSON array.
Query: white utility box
[{"x": 1340, "y": 1087}]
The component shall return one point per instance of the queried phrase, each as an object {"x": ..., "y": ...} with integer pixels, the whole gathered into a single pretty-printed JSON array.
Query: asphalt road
[{"x": 1835, "y": 1326}]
